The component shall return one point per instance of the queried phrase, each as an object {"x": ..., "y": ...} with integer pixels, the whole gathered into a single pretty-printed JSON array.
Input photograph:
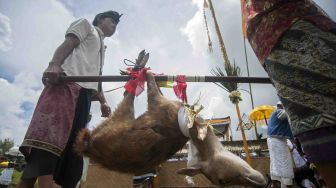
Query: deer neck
[{"x": 207, "y": 147}]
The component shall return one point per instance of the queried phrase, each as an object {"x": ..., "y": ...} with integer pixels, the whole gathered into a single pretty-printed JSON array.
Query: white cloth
[
  {"x": 193, "y": 154},
  {"x": 6, "y": 176},
  {"x": 190, "y": 181},
  {"x": 186, "y": 120},
  {"x": 193, "y": 159},
  {"x": 282, "y": 114},
  {"x": 281, "y": 166},
  {"x": 308, "y": 184},
  {"x": 86, "y": 59},
  {"x": 183, "y": 121},
  {"x": 86, "y": 162},
  {"x": 298, "y": 159}
]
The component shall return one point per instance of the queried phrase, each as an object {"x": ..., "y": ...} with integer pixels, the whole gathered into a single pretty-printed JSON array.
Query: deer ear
[{"x": 190, "y": 171}]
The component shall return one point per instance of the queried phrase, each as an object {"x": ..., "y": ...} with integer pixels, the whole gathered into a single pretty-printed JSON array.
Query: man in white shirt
[{"x": 63, "y": 108}]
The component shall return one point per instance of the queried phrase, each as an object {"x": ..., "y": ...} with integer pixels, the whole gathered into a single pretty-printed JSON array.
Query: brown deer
[{"x": 130, "y": 145}]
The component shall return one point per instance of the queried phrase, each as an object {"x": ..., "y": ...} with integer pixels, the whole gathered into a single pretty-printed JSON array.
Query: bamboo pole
[
  {"x": 220, "y": 38},
  {"x": 121, "y": 78},
  {"x": 247, "y": 152}
]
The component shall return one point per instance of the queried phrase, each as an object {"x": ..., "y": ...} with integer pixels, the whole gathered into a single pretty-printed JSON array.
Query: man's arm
[
  {"x": 282, "y": 114},
  {"x": 98, "y": 96},
  {"x": 71, "y": 41},
  {"x": 52, "y": 73},
  {"x": 104, "y": 107}
]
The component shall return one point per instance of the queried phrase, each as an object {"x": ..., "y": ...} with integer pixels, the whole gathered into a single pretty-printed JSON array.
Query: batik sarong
[
  {"x": 302, "y": 67},
  {"x": 52, "y": 120}
]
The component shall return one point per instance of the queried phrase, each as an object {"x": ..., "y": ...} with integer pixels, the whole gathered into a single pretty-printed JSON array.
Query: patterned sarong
[
  {"x": 302, "y": 67},
  {"x": 52, "y": 120}
]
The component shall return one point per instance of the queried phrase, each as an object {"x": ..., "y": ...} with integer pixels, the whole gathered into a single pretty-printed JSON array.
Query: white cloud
[
  {"x": 37, "y": 30},
  {"x": 197, "y": 39},
  {"x": 5, "y": 33},
  {"x": 14, "y": 118}
]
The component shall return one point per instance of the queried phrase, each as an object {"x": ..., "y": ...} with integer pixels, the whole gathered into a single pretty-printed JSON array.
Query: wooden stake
[{"x": 247, "y": 152}]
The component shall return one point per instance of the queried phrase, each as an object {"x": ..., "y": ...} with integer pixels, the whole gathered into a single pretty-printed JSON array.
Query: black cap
[{"x": 108, "y": 14}]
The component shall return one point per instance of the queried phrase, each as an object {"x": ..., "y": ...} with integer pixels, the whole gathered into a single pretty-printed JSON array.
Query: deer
[
  {"x": 130, "y": 145},
  {"x": 137, "y": 145},
  {"x": 219, "y": 165}
]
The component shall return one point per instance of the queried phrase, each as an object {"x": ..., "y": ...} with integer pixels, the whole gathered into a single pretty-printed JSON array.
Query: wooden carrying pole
[{"x": 118, "y": 78}]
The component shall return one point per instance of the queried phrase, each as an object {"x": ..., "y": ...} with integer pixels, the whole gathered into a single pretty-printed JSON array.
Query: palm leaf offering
[{"x": 231, "y": 87}]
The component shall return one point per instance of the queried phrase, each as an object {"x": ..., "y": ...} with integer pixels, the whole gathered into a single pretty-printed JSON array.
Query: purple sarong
[{"x": 52, "y": 120}]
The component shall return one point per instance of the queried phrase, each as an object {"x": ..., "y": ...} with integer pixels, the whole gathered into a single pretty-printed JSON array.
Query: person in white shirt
[{"x": 63, "y": 108}]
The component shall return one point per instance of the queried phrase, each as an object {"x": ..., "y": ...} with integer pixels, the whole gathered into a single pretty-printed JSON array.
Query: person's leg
[
  {"x": 26, "y": 183},
  {"x": 275, "y": 184},
  {"x": 286, "y": 182},
  {"x": 69, "y": 168},
  {"x": 39, "y": 163},
  {"x": 45, "y": 181}
]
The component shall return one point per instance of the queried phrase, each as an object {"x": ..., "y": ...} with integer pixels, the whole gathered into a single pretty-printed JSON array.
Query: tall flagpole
[
  {"x": 220, "y": 38},
  {"x": 246, "y": 61},
  {"x": 250, "y": 89}
]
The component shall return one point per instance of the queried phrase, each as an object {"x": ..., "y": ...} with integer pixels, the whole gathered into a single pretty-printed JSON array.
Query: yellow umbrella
[
  {"x": 261, "y": 113},
  {"x": 4, "y": 164}
]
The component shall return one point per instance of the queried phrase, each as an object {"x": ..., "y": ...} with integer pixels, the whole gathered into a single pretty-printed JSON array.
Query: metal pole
[
  {"x": 118, "y": 78},
  {"x": 248, "y": 74}
]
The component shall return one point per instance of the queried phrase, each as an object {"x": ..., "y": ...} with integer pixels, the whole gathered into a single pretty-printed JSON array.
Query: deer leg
[
  {"x": 154, "y": 94},
  {"x": 125, "y": 109}
]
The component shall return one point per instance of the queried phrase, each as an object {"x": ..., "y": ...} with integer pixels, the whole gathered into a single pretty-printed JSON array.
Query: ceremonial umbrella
[
  {"x": 4, "y": 164},
  {"x": 261, "y": 113}
]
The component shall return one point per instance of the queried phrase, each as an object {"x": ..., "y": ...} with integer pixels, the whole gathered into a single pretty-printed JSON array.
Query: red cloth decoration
[
  {"x": 136, "y": 84},
  {"x": 180, "y": 88}
]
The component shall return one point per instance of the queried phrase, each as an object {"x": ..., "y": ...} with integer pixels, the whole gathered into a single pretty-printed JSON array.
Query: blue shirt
[{"x": 278, "y": 125}]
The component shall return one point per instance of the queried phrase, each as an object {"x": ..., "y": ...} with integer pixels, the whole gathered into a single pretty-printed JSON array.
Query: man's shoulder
[
  {"x": 81, "y": 21},
  {"x": 81, "y": 28}
]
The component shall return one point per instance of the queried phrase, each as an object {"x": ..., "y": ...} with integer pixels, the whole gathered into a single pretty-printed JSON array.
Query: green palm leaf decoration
[
  {"x": 235, "y": 96},
  {"x": 231, "y": 87}
]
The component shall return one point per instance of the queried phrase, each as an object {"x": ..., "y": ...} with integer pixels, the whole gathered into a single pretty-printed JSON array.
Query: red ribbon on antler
[
  {"x": 180, "y": 88},
  {"x": 136, "y": 85}
]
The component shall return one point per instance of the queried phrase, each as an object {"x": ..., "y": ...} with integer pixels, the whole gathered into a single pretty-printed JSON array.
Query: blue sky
[{"x": 173, "y": 32}]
